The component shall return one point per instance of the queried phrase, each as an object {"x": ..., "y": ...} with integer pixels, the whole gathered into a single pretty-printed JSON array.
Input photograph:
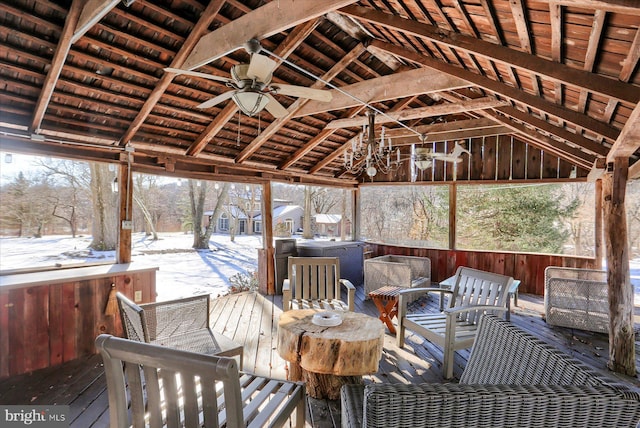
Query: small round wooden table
[{"x": 328, "y": 357}]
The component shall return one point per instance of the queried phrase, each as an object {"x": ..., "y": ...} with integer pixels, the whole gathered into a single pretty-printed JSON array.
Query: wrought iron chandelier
[{"x": 371, "y": 155}]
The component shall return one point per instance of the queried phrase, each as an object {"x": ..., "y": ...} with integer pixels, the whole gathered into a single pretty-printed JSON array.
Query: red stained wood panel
[
  {"x": 48, "y": 323},
  {"x": 526, "y": 267}
]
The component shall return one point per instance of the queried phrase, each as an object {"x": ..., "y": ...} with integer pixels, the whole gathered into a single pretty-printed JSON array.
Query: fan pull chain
[{"x": 238, "y": 140}]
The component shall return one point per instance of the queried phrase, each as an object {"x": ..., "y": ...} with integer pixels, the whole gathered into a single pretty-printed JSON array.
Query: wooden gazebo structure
[{"x": 541, "y": 90}]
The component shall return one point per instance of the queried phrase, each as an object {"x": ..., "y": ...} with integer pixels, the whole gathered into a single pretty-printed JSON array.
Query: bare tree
[{"x": 72, "y": 180}]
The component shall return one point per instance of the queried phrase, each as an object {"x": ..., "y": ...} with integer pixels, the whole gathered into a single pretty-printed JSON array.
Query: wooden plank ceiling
[{"x": 536, "y": 89}]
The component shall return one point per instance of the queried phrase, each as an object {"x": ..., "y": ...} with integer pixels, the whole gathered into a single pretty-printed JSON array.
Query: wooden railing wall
[
  {"x": 527, "y": 267},
  {"x": 46, "y": 320}
]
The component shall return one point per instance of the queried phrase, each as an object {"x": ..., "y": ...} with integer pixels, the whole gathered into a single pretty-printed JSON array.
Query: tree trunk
[
  {"x": 197, "y": 196},
  {"x": 621, "y": 333},
  {"x": 147, "y": 217},
  {"x": 105, "y": 209}
]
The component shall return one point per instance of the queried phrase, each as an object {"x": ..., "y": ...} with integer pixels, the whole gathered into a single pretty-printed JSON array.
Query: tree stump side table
[{"x": 328, "y": 357}]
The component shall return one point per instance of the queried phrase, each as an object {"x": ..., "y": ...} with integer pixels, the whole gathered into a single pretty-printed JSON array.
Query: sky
[{"x": 11, "y": 164}]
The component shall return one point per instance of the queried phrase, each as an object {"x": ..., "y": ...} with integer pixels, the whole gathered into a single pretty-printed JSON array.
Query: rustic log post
[
  {"x": 125, "y": 191},
  {"x": 453, "y": 197},
  {"x": 621, "y": 334}
]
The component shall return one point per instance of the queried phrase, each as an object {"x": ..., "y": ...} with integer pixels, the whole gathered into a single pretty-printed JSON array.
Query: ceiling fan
[
  {"x": 251, "y": 87},
  {"x": 424, "y": 156}
]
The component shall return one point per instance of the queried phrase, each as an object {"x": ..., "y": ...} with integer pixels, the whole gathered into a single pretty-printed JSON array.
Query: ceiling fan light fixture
[
  {"x": 251, "y": 103},
  {"x": 423, "y": 158}
]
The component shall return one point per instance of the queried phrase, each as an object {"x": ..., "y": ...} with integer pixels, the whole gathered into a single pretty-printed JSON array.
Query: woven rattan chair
[
  {"x": 576, "y": 298},
  {"x": 512, "y": 379},
  {"x": 180, "y": 324},
  {"x": 314, "y": 283},
  {"x": 475, "y": 292},
  {"x": 173, "y": 388}
]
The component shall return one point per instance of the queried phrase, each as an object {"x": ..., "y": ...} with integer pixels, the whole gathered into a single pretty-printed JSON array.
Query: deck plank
[{"x": 251, "y": 319}]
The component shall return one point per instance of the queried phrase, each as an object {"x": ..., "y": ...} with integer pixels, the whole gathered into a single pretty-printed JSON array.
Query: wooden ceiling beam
[
  {"x": 265, "y": 21},
  {"x": 558, "y": 72},
  {"x": 92, "y": 12},
  {"x": 543, "y": 142},
  {"x": 631, "y": 61},
  {"x": 628, "y": 7},
  {"x": 394, "y": 86},
  {"x": 213, "y": 8},
  {"x": 323, "y": 135},
  {"x": 629, "y": 139},
  {"x": 59, "y": 58},
  {"x": 543, "y": 125},
  {"x": 422, "y": 112},
  {"x": 507, "y": 91},
  {"x": 522, "y": 26}
]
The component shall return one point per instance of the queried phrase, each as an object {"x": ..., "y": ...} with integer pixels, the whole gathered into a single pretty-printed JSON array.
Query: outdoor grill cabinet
[{"x": 350, "y": 254}]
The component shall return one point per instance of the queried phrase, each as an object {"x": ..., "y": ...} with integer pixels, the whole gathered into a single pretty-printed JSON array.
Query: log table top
[{"x": 327, "y": 357}]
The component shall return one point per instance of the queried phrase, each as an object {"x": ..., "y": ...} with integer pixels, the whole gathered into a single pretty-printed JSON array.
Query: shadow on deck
[{"x": 251, "y": 319}]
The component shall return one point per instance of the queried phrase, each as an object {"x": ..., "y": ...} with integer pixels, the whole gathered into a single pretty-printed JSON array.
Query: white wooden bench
[{"x": 165, "y": 387}]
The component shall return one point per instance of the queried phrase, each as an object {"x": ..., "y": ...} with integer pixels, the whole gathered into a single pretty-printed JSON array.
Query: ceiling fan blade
[
  {"x": 196, "y": 74},
  {"x": 459, "y": 150},
  {"x": 217, "y": 100},
  {"x": 303, "y": 92},
  {"x": 275, "y": 108},
  {"x": 261, "y": 68}
]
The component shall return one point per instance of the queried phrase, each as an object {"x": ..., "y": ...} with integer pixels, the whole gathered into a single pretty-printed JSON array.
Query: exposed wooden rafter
[
  {"x": 59, "y": 58},
  {"x": 178, "y": 61},
  {"x": 417, "y": 113},
  {"x": 260, "y": 23},
  {"x": 399, "y": 85},
  {"x": 507, "y": 91},
  {"x": 530, "y": 63}
]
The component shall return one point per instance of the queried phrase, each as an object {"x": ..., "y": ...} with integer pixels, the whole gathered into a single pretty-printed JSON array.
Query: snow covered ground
[{"x": 183, "y": 271}]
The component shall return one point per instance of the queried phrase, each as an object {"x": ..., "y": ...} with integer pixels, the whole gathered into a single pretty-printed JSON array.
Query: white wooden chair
[
  {"x": 164, "y": 387},
  {"x": 474, "y": 293},
  {"x": 314, "y": 283}
]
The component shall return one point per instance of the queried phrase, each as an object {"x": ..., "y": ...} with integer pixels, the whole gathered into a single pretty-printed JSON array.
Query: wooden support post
[
  {"x": 598, "y": 225},
  {"x": 266, "y": 267},
  {"x": 621, "y": 334},
  {"x": 125, "y": 191},
  {"x": 355, "y": 213},
  {"x": 453, "y": 197}
]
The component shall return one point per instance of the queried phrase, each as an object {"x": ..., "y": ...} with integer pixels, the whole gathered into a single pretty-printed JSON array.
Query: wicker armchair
[
  {"x": 314, "y": 283},
  {"x": 512, "y": 379},
  {"x": 168, "y": 387},
  {"x": 576, "y": 298},
  {"x": 180, "y": 324},
  {"x": 399, "y": 271}
]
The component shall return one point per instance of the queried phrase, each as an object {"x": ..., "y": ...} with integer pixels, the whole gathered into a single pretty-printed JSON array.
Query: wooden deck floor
[{"x": 251, "y": 318}]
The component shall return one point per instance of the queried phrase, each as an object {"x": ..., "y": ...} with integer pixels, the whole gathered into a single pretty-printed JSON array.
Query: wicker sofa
[
  {"x": 576, "y": 298},
  {"x": 401, "y": 271},
  {"x": 512, "y": 379}
]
